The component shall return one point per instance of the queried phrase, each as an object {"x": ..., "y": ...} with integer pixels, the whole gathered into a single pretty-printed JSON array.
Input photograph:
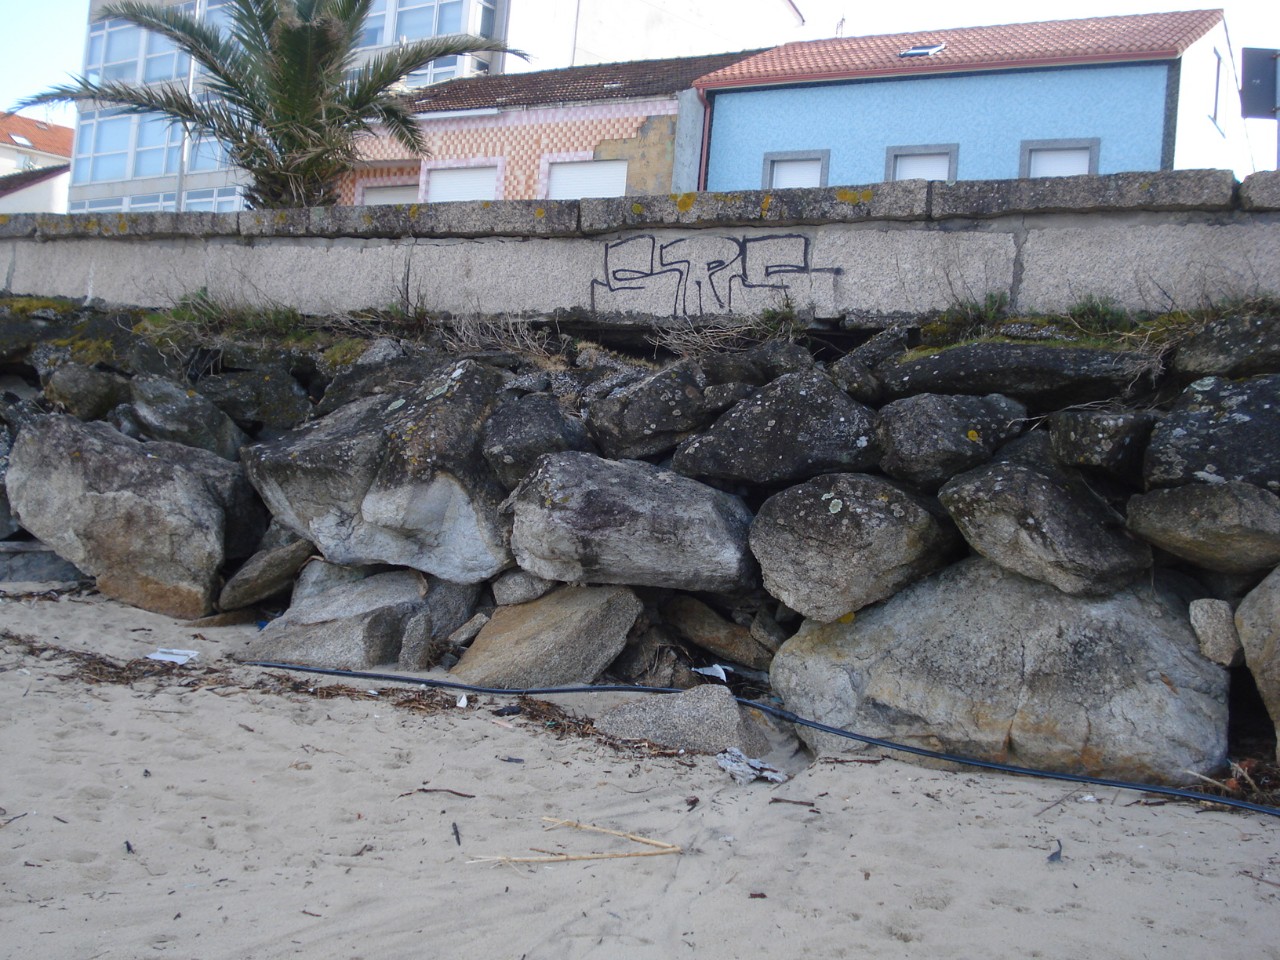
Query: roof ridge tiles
[{"x": 1142, "y": 36}]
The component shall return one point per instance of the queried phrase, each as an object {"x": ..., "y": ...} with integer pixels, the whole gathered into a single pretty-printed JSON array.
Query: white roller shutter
[
  {"x": 408, "y": 193},
  {"x": 462, "y": 183},
  {"x": 587, "y": 178},
  {"x": 1068, "y": 162},
  {"x": 796, "y": 173},
  {"x": 922, "y": 166}
]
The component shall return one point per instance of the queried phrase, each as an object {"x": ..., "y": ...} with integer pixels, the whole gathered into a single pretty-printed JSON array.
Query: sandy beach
[{"x": 224, "y": 811}]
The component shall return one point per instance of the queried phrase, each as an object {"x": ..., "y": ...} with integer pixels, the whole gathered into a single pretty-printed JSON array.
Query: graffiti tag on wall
[{"x": 704, "y": 276}]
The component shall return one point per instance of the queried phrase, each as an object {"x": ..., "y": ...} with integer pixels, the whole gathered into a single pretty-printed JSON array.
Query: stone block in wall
[
  {"x": 470, "y": 218},
  {"x": 1261, "y": 191},
  {"x": 17, "y": 225},
  {"x": 903, "y": 200},
  {"x": 149, "y": 225},
  {"x": 316, "y": 277},
  {"x": 1147, "y": 266},
  {"x": 878, "y": 272},
  {"x": 512, "y": 276},
  {"x": 1119, "y": 192},
  {"x": 274, "y": 223}
]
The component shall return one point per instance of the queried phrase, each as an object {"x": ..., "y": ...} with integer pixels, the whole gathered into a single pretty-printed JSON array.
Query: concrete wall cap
[
  {"x": 15, "y": 225},
  {"x": 904, "y": 200},
  {"x": 1261, "y": 191},
  {"x": 1118, "y": 192}
]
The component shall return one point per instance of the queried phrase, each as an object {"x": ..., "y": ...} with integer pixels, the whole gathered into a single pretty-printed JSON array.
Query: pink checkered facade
[{"x": 527, "y": 139}]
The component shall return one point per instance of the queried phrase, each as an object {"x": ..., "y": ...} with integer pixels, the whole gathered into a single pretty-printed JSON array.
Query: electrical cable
[{"x": 788, "y": 716}]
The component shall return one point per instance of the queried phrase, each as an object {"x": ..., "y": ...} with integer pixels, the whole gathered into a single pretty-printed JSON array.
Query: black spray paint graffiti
[{"x": 701, "y": 276}]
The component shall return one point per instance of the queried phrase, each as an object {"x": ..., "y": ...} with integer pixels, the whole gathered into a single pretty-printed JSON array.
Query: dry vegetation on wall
[{"x": 1148, "y": 337}]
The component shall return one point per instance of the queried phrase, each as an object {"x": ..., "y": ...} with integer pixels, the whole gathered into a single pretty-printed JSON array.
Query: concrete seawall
[{"x": 845, "y": 255}]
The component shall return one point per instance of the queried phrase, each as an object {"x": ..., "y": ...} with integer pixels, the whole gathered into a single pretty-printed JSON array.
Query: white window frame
[
  {"x": 213, "y": 200},
  {"x": 950, "y": 150},
  {"x": 1028, "y": 147},
  {"x": 766, "y": 173}
]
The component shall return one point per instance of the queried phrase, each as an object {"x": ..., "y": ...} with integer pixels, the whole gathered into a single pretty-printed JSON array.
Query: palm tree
[{"x": 281, "y": 92}]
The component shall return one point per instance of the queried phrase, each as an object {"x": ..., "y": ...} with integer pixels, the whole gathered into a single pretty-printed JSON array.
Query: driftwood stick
[
  {"x": 613, "y": 833},
  {"x": 566, "y": 857}
]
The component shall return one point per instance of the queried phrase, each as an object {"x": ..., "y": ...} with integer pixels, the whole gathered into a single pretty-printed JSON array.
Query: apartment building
[{"x": 141, "y": 163}]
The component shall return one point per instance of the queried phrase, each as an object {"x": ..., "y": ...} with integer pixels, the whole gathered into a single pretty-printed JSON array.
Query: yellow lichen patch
[
  {"x": 637, "y": 208},
  {"x": 122, "y": 224},
  {"x": 845, "y": 195},
  {"x": 25, "y": 306},
  {"x": 345, "y": 352},
  {"x": 766, "y": 203},
  {"x": 684, "y": 202},
  {"x": 848, "y": 617},
  {"x": 4, "y": 218},
  {"x": 974, "y": 435},
  {"x": 539, "y": 212}
]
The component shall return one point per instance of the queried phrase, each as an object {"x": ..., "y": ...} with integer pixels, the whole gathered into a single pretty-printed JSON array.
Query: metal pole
[{"x": 179, "y": 200}]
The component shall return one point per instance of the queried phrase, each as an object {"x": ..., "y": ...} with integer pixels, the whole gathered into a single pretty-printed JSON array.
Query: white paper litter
[
  {"x": 743, "y": 769},
  {"x": 715, "y": 670},
  {"x": 173, "y": 656},
  {"x": 462, "y": 700}
]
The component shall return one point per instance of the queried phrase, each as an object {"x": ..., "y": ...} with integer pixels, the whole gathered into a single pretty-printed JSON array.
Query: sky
[{"x": 46, "y": 37}]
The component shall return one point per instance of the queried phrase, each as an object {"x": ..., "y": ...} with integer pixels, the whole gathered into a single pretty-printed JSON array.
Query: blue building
[{"x": 1098, "y": 95}]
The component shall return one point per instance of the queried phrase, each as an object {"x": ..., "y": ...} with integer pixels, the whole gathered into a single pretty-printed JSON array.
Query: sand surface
[{"x": 202, "y": 819}]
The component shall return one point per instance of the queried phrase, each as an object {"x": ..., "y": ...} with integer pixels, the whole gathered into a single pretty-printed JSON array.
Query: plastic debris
[
  {"x": 744, "y": 769},
  {"x": 462, "y": 700},
  {"x": 173, "y": 656},
  {"x": 715, "y": 670}
]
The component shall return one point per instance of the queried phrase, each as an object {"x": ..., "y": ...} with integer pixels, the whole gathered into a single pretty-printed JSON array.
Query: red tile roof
[
  {"x": 1147, "y": 36},
  {"x": 13, "y": 182},
  {"x": 44, "y": 137},
  {"x": 604, "y": 81}
]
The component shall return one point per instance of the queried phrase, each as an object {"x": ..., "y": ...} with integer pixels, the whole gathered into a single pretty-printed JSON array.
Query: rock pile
[{"x": 1015, "y": 551}]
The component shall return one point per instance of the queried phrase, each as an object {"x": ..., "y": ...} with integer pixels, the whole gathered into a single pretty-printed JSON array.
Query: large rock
[
  {"x": 246, "y": 516},
  {"x": 150, "y": 530},
  {"x": 265, "y": 396},
  {"x": 1214, "y": 624},
  {"x": 1046, "y": 527},
  {"x": 1109, "y": 442},
  {"x": 352, "y": 626},
  {"x": 164, "y": 410},
  {"x": 652, "y": 415},
  {"x": 800, "y": 425},
  {"x": 705, "y": 719},
  {"x": 8, "y": 523},
  {"x": 983, "y": 663},
  {"x": 448, "y": 607},
  {"x": 699, "y": 624},
  {"x": 1241, "y": 344},
  {"x": 395, "y": 479},
  {"x": 524, "y": 429},
  {"x": 566, "y": 637},
  {"x": 842, "y": 541},
  {"x": 1041, "y": 376},
  {"x": 1219, "y": 430},
  {"x": 928, "y": 438},
  {"x": 1229, "y": 527},
  {"x": 1258, "y": 624},
  {"x": 581, "y": 518},
  {"x": 264, "y": 575},
  {"x": 85, "y": 392}
]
